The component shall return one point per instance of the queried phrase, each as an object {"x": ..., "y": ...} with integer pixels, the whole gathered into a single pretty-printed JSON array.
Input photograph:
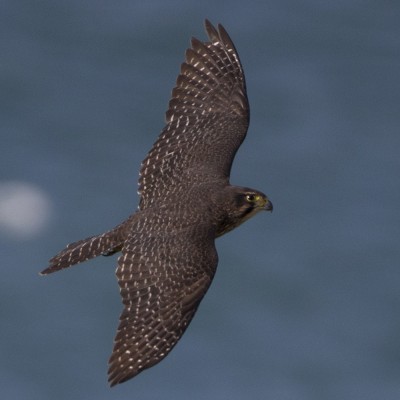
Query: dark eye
[{"x": 251, "y": 198}]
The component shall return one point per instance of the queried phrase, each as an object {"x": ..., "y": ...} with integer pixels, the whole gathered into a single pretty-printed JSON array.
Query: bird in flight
[{"x": 168, "y": 257}]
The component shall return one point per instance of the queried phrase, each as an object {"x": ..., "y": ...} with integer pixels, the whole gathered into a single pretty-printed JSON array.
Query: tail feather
[
  {"x": 105, "y": 244},
  {"x": 83, "y": 250}
]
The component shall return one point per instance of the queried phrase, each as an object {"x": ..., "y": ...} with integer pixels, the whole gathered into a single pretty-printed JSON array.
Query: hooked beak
[{"x": 268, "y": 206}]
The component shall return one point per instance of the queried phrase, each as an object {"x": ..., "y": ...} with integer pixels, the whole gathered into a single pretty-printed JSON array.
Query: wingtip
[
  {"x": 115, "y": 379},
  {"x": 218, "y": 33},
  {"x": 112, "y": 383},
  {"x": 211, "y": 31},
  {"x": 207, "y": 23}
]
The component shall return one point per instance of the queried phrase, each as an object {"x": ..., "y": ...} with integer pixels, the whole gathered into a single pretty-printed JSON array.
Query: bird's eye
[{"x": 251, "y": 198}]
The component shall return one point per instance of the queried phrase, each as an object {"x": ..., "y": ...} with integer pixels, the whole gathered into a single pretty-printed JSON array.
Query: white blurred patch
[{"x": 25, "y": 209}]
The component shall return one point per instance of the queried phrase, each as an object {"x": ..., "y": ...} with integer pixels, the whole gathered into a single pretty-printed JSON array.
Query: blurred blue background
[{"x": 305, "y": 303}]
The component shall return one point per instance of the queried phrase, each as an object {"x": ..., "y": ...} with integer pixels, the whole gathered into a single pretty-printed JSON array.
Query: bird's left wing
[{"x": 162, "y": 278}]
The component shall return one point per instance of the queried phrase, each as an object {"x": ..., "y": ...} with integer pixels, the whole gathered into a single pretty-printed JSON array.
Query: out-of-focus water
[{"x": 305, "y": 304}]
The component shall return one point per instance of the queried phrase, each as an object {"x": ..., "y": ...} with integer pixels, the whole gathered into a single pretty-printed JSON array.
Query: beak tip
[{"x": 269, "y": 206}]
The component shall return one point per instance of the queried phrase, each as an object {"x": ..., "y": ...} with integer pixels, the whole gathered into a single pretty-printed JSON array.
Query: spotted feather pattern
[
  {"x": 207, "y": 121},
  {"x": 107, "y": 243},
  {"x": 163, "y": 276},
  {"x": 168, "y": 255}
]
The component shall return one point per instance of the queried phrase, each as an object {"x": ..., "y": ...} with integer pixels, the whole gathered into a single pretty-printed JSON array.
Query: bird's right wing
[
  {"x": 207, "y": 121},
  {"x": 162, "y": 280}
]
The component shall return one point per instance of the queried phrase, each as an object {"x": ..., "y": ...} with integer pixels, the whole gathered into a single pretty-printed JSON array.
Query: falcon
[{"x": 168, "y": 257}]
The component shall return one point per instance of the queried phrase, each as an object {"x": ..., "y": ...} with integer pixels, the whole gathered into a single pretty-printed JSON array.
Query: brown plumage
[{"x": 186, "y": 201}]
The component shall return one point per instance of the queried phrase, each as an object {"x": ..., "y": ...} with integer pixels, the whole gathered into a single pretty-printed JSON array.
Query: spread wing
[
  {"x": 207, "y": 121},
  {"x": 163, "y": 278}
]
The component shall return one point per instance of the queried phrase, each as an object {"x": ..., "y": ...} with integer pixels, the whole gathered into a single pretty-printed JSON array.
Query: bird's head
[{"x": 240, "y": 205}]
